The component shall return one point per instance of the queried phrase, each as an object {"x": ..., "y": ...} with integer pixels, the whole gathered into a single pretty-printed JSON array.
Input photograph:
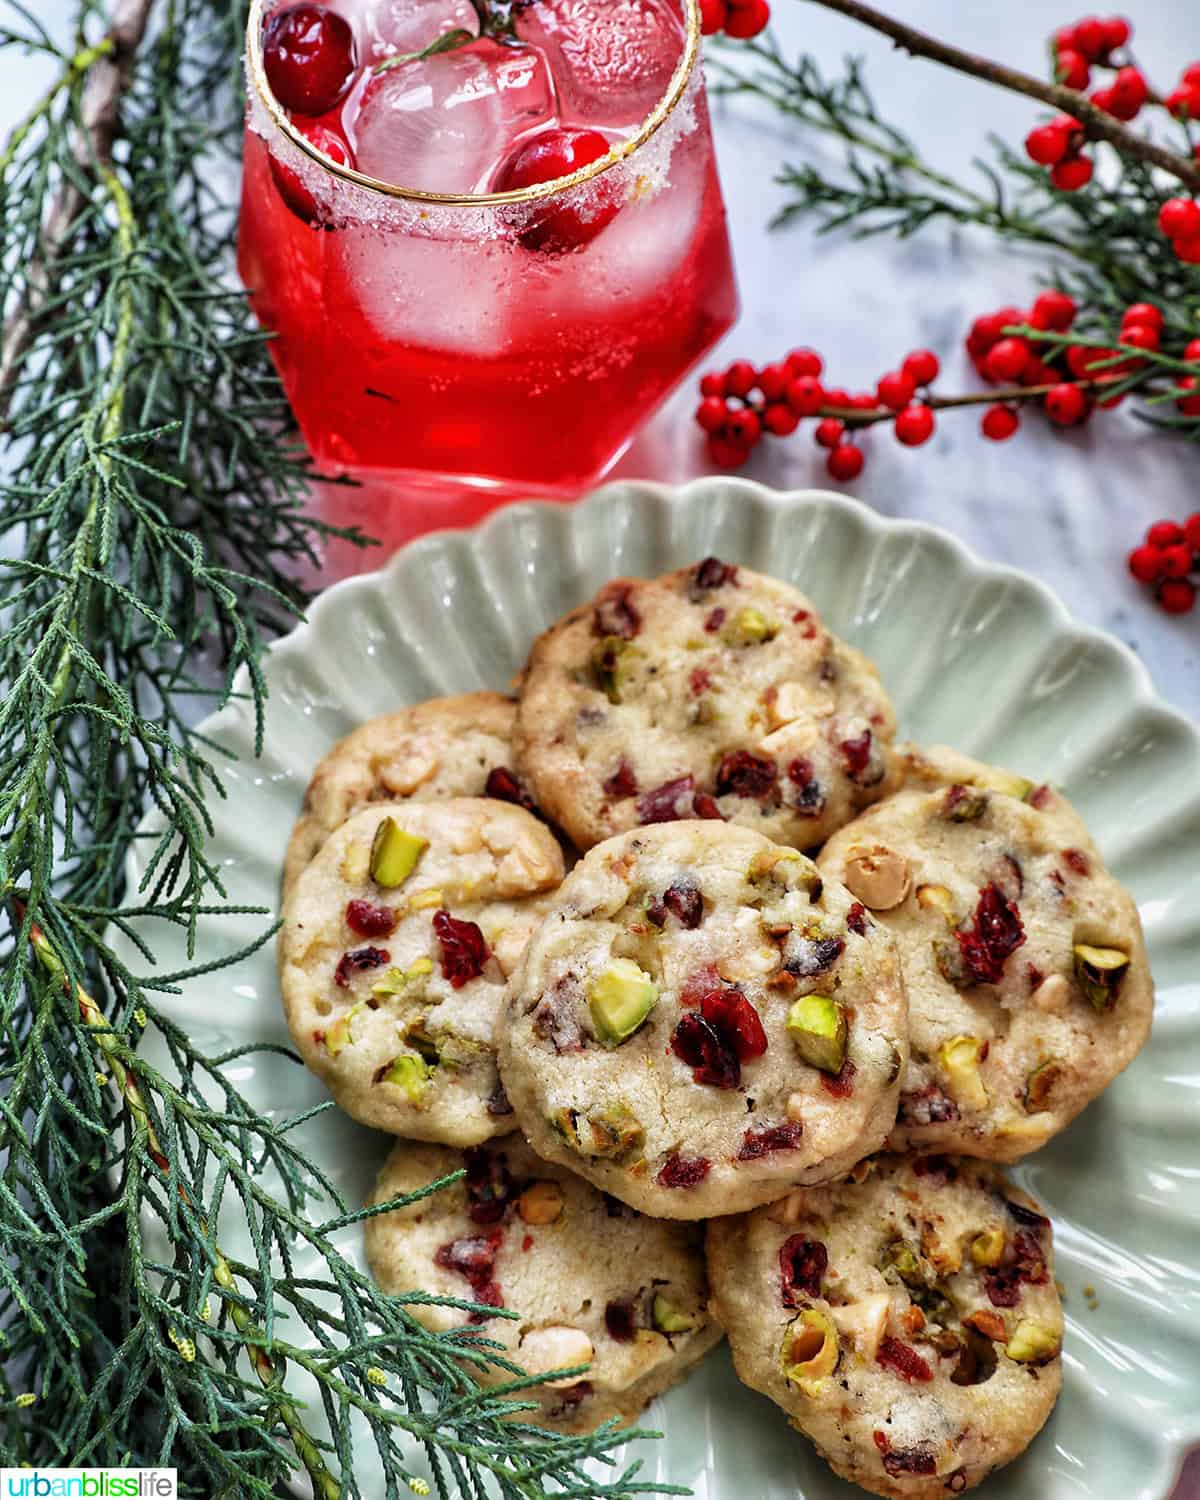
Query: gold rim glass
[{"x": 620, "y": 151}]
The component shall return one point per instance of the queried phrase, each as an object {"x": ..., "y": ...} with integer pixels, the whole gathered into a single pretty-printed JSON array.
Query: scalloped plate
[{"x": 979, "y": 656}]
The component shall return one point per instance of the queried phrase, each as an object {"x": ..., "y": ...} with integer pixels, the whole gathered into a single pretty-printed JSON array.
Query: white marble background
[{"x": 1065, "y": 506}]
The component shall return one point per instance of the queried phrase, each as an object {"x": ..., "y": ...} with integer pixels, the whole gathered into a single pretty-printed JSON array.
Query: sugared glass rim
[{"x": 619, "y": 152}]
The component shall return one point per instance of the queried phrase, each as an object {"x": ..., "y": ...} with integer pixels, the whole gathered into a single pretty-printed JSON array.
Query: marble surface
[{"x": 1066, "y": 506}]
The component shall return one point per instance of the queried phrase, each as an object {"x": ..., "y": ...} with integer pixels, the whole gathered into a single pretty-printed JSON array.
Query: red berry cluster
[
  {"x": 1168, "y": 561},
  {"x": 741, "y": 405},
  {"x": 1184, "y": 100},
  {"x": 1179, "y": 220},
  {"x": 1075, "y": 50},
  {"x": 737, "y": 18},
  {"x": 1007, "y": 359}
]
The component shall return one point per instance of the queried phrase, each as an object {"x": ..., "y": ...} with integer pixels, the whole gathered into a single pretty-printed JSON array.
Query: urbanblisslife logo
[{"x": 89, "y": 1484}]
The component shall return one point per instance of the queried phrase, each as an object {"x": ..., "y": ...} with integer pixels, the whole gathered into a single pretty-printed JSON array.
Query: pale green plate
[{"x": 978, "y": 656}]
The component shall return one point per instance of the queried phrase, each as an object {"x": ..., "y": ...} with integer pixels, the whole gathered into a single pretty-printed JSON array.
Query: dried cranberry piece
[
  {"x": 956, "y": 1483},
  {"x": 902, "y": 1358},
  {"x": 503, "y": 785},
  {"x": 472, "y": 1256},
  {"x": 744, "y": 775},
  {"x": 802, "y": 1265},
  {"x": 841, "y": 1084},
  {"x": 1003, "y": 1286},
  {"x": 697, "y": 985},
  {"x": 576, "y": 1393},
  {"x": 857, "y": 919},
  {"x": 700, "y": 681},
  {"x": 1078, "y": 861},
  {"x": 464, "y": 951},
  {"x": 615, "y": 614},
  {"x": 685, "y": 902},
  {"x": 683, "y": 1171},
  {"x": 810, "y": 798},
  {"x": 856, "y": 753},
  {"x": 490, "y": 1186},
  {"x": 1041, "y": 798},
  {"x": 622, "y": 782},
  {"x": 362, "y": 958},
  {"x": 711, "y": 1058},
  {"x": 736, "y": 1021},
  {"x": 927, "y": 1106},
  {"x": 618, "y": 1319},
  {"x": 704, "y": 807},
  {"x": 714, "y": 620},
  {"x": 771, "y": 1138},
  {"x": 1031, "y": 1258},
  {"x": 806, "y": 957},
  {"x": 909, "y": 1461},
  {"x": 498, "y": 1101},
  {"x": 998, "y": 932},
  {"x": 940, "y": 1169},
  {"x": 490, "y": 1295},
  {"x": 669, "y": 802},
  {"x": 712, "y": 573},
  {"x": 656, "y": 913},
  {"x": 369, "y": 920}
]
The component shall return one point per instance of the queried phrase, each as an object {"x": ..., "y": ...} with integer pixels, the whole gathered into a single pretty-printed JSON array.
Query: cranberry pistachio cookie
[
  {"x": 710, "y": 693},
  {"x": 1028, "y": 985},
  {"x": 906, "y": 1320},
  {"x": 595, "y": 1283},
  {"x": 702, "y": 1022},
  {"x": 394, "y": 957},
  {"x": 447, "y": 747}
]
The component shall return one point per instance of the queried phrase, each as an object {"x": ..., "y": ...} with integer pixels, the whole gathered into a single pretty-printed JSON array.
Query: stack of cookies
[{"x": 728, "y": 1006}]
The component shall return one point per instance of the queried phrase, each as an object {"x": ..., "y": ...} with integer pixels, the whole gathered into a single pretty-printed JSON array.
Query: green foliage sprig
[
  {"x": 150, "y": 528},
  {"x": 1102, "y": 243}
]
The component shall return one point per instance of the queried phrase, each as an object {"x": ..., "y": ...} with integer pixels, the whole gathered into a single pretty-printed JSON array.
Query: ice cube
[
  {"x": 444, "y": 123},
  {"x": 612, "y": 60},
  {"x": 385, "y": 28}
]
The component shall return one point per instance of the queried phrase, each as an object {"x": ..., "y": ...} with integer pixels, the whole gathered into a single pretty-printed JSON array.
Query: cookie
[
  {"x": 1028, "y": 985},
  {"x": 907, "y": 1321},
  {"x": 448, "y": 747},
  {"x": 710, "y": 693},
  {"x": 595, "y": 1283},
  {"x": 396, "y": 945},
  {"x": 702, "y": 1022}
]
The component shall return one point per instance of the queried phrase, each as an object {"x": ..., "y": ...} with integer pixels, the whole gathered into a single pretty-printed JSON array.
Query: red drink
[{"x": 446, "y": 303}]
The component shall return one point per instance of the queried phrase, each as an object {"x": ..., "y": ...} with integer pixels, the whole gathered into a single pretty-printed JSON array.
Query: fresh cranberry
[
  {"x": 712, "y": 1059},
  {"x": 998, "y": 932},
  {"x": 490, "y": 1186},
  {"x": 857, "y": 919},
  {"x": 464, "y": 951},
  {"x": 1072, "y": 174},
  {"x": 802, "y": 1266},
  {"x": 1053, "y": 310},
  {"x": 746, "y": 18},
  {"x": 744, "y": 775},
  {"x": 503, "y": 786},
  {"x": 309, "y": 55},
  {"x": 771, "y": 1138},
  {"x": 618, "y": 1319},
  {"x": 896, "y": 390},
  {"x": 902, "y": 1358},
  {"x": 840, "y": 1085},
  {"x": 685, "y": 902},
  {"x": 669, "y": 802},
  {"x": 736, "y": 1021},
  {"x": 683, "y": 1171},
  {"x": 622, "y": 782},
  {"x": 291, "y": 185},
  {"x": 845, "y": 462},
  {"x": 368, "y": 920},
  {"x": 999, "y": 423},
  {"x": 1066, "y": 404},
  {"x": 358, "y": 961},
  {"x": 546, "y": 157},
  {"x": 712, "y": 573},
  {"x": 922, "y": 366}
]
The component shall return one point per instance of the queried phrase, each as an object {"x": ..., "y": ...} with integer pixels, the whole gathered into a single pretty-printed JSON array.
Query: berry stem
[
  {"x": 1006, "y": 395},
  {"x": 1098, "y": 124}
]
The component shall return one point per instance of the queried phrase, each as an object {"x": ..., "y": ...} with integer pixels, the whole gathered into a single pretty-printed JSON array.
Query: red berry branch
[{"x": 1168, "y": 561}]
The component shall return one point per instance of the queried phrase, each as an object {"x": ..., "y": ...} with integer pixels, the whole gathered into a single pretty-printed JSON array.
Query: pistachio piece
[
  {"x": 394, "y": 854},
  {"x": 963, "y": 804},
  {"x": 1041, "y": 1083},
  {"x": 555, "y": 1348},
  {"x": 987, "y": 1249},
  {"x": 541, "y": 1202},
  {"x": 937, "y": 898},
  {"x": 958, "y": 1059},
  {"x": 989, "y": 1323},
  {"x": 395, "y": 981},
  {"x": 606, "y": 665},
  {"x": 340, "y": 1035},
  {"x": 947, "y": 956},
  {"x": 1004, "y": 782},
  {"x": 1033, "y": 1343},
  {"x": 810, "y": 1350},
  {"x": 864, "y": 1322},
  {"x": 620, "y": 1000},
  {"x": 900, "y": 1260},
  {"x": 411, "y": 1073},
  {"x": 431, "y": 896},
  {"x": 749, "y": 627},
  {"x": 1052, "y": 994},
  {"x": 356, "y": 864},
  {"x": 880, "y": 877},
  {"x": 610, "y": 1133},
  {"x": 788, "y": 868},
  {"x": 817, "y": 1025},
  {"x": 668, "y": 1318},
  {"x": 1100, "y": 972}
]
